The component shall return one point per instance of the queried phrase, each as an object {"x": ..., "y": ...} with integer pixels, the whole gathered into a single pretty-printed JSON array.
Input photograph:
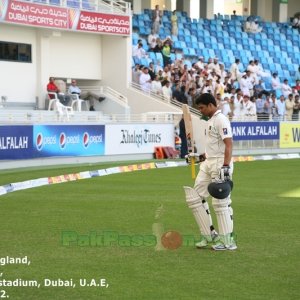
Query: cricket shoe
[
  {"x": 221, "y": 247},
  {"x": 204, "y": 242}
]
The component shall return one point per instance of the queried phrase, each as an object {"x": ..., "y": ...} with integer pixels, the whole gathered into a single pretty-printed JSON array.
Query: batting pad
[
  {"x": 200, "y": 211},
  {"x": 224, "y": 217}
]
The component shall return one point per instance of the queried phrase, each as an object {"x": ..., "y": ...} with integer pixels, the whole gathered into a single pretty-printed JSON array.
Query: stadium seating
[{"x": 276, "y": 47}]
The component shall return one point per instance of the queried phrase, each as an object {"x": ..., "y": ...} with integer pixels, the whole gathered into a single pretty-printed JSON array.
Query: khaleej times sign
[
  {"x": 137, "y": 138},
  {"x": 255, "y": 131}
]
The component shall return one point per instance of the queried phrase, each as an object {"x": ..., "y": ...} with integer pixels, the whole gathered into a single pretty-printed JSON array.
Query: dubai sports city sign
[{"x": 47, "y": 16}]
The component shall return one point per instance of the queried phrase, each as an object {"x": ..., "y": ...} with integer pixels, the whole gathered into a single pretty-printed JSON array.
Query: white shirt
[
  {"x": 218, "y": 128},
  {"x": 234, "y": 70},
  {"x": 286, "y": 90},
  {"x": 144, "y": 82},
  {"x": 275, "y": 82},
  {"x": 138, "y": 52},
  {"x": 280, "y": 107},
  {"x": 74, "y": 89},
  {"x": 156, "y": 87},
  {"x": 167, "y": 92}
]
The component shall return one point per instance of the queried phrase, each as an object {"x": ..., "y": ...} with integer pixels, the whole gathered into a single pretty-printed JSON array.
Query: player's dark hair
[{"x": 205, "y": 99}]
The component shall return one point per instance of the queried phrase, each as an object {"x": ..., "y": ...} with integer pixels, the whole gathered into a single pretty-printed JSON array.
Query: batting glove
[
  {"x": 225, "y": 173},
  {"x": 198, "y": 157}
]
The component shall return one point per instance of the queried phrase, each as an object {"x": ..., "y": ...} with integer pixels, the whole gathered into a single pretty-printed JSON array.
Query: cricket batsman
[{"x": 214, "y": 178}]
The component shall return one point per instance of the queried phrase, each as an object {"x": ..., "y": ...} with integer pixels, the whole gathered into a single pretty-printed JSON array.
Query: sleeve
[{"x": 224, "y": 127}]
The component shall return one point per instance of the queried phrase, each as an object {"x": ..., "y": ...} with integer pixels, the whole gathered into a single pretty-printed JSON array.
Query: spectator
[
  {"x": 244, "y": 84},
  {"x": 178, "y": 94},
  {"x": 156, "y": 19},
  {"x": 200, "y": 62},
  {"x": 289, "y": 107},
  {"x": 260, "y": 103},
  {"x": 274, "y": 111},
  {"x": 174, "y": 23},
  {"x": 297, "y": 86},
  {"x": 275, "y": 82},
  {"x": 152, "y": 40},
  {"x": 166, "y": 90},
  {"x": 285, "y": 88},
  {"x": 248, "y": 109},
  {"x": 259, "y": 70},
  {"x": 166, "y": 52},
  {"x": 151, "y": 70},
  {"x": 296, "y": 109},
  {"x": 53, "y": 88},
  {"x": 136, "y": 72},
  {"x": 296, "y": 23},
  {"x": 237, "y": 105},
  {"x": 225, "y": 106},
  {"x": 145, "y": 80},
  {"x": 158, "y": 67},
  {"x": 138, "y": 51},
  {"x": 159, "y": 45},
  {"x": 166, "y": 73},
  {"x": 253, "y": 71},
  {"x": 190, "y": 95},
  {"x": 268, "y": 107},
  {"x": 182, "y": 135},
  {"x": 280, "y": 108},
  {"x": 259, "y": 89},
  {"x": 207, "y": 87},
  {"x": 156, "y": 86},
  {"x": 234, "y": 70},
  {"x": 252, "y": 26},
  {"x": 90, "y": 96}
]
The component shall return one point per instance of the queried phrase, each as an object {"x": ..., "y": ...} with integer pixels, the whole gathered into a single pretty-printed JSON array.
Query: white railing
[
  {"x": 161, "y": 98},
  {"x": 107, "y": 6},
  {"x": 107, "y": 91},
  {"x": 30, "y": 117}
]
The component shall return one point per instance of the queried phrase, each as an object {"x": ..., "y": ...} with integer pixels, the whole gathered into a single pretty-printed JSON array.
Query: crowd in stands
[
  {"x": 240, "y": 96},
  {"x": 241, "y": 93}
]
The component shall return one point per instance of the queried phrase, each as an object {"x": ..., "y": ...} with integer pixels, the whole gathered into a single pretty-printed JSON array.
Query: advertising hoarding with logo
[
  {"x": 290, "y": 135},
  {"x": 68, "y": 140},
  {"x": 137, "y": 138},
  {"x": 67, "y": 18},
  {"x": 15, "y": 142},
  {"x": 247, "y": 131}
]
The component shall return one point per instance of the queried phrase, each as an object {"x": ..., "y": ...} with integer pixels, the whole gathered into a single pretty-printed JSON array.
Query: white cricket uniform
[{"x": 218, "y": 128}]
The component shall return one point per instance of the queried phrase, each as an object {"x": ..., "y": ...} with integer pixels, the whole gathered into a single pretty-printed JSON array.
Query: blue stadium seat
[
  {"x": 177, "y": 45},
  {"x": 195, "y": 45},
  {"x": 159, "y": 57},
  {"x": 188, "y": 39},
  {"x": 181, "y": 37},
  {"x": 183, "y": 44},
  {"x": 194, "y": 38},
  {"x": 172, "y": 56},
  {"x": 200, "y": 45},
  {"x": 152, "y": 55}
]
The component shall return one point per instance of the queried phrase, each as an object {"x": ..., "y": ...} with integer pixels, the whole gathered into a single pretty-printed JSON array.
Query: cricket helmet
[{"x": 220, "y": 189}]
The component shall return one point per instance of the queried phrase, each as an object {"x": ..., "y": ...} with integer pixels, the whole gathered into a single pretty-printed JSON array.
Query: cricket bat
[{"x": 187, "y": 117}]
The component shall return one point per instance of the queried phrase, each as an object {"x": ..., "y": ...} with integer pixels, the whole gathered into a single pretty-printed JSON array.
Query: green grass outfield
[{"x": 266, "y": 203}]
